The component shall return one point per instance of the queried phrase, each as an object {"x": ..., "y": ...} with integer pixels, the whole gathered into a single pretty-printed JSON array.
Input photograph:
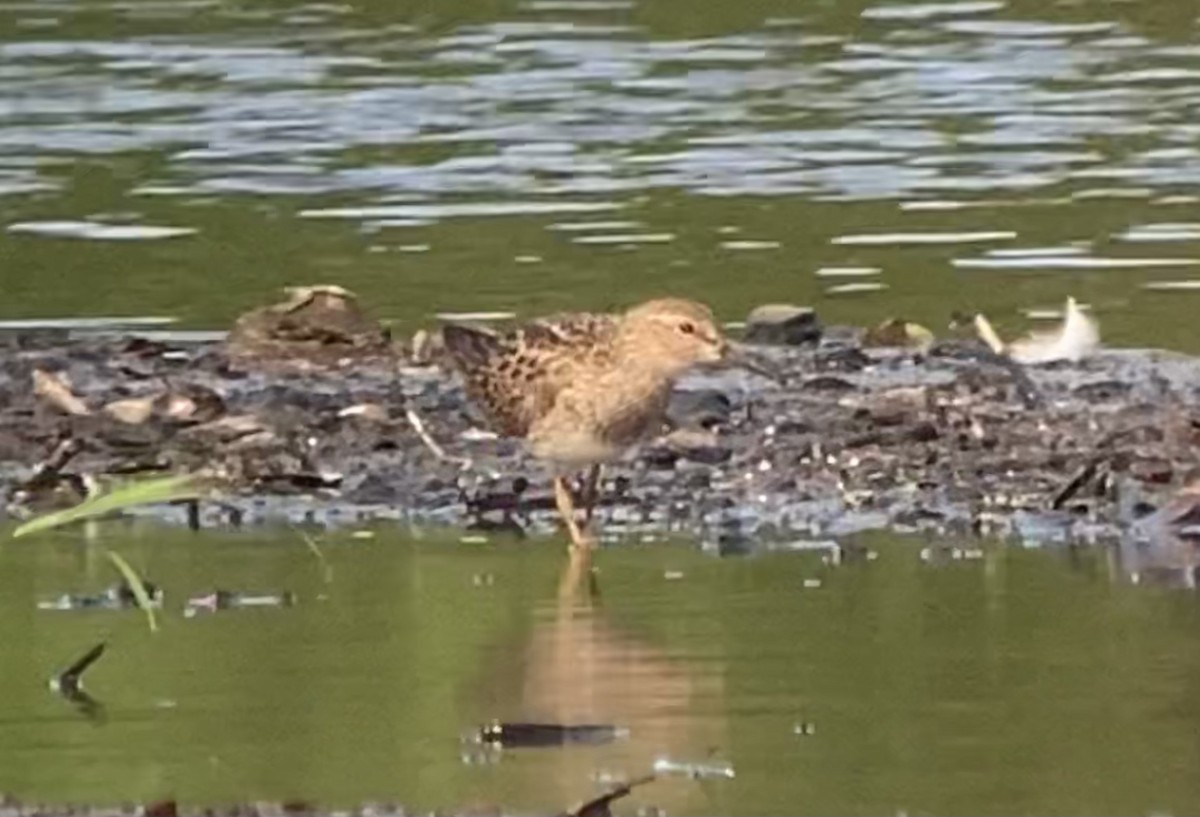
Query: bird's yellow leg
[
  {"x": 566, "y": 508},
  {"x": 577, "y": 569},
  {"x": 591, "y": 493}
]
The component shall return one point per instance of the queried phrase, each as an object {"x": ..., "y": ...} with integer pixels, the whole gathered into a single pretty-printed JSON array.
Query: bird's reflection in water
[
  {"x": 1163, "y": 548},
  {"x": 1164, "y": 560},
  {"x": 580, "y": 668}
]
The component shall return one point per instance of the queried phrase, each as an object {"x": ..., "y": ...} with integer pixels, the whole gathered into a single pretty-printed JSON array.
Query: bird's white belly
[
  {"x": 575, "y": 449},
  {"x": 598, "y": 426}
]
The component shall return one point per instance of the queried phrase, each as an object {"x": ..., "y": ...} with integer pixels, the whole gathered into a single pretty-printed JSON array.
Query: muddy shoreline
[{"x": 950, "y": 439}]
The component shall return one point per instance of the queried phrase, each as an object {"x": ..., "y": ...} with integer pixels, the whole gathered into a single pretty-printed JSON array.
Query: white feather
[{"x": 1077, "y": 338}]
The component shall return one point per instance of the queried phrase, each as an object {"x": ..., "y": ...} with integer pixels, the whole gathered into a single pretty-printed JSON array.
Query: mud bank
[{"x": 951, "y": 440}]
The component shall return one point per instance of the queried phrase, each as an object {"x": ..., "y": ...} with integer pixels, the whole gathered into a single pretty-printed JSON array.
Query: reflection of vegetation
[
  {"x": 127, "y": 495},
  {"x": 137, "y": 587},
  {"x": 315, "y": 549}
]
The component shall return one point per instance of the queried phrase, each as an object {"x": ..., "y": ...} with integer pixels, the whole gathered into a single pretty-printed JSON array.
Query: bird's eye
[{"x": 687, "y": 328}]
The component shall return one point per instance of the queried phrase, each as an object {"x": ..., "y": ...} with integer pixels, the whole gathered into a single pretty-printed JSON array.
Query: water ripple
[{"x": 1034, "y": 102}]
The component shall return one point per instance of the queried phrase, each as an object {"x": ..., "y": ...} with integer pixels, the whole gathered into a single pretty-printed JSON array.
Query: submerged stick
[
  {"x": 69, "y": 684},
  {"x": 600, "y": 806},
  {"x": 71, "y": 679}
]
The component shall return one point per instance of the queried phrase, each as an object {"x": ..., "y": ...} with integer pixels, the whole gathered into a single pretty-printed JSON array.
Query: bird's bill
[{"x": 737, "y": 356}]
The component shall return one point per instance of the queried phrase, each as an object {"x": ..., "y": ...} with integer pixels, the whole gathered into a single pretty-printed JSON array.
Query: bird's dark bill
[{"x": 738, "y": 357}]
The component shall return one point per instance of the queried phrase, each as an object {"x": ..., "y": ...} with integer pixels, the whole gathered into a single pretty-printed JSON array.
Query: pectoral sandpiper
[{"x": 582, "y": 388}]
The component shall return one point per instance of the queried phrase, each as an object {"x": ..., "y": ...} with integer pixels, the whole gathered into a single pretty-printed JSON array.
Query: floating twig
[{"x": 527, "y": 735}]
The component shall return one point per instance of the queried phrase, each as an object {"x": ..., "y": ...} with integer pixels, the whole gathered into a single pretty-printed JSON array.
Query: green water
[
  {"x": 1059, "y": 138},
  {"x": 1067, "y": 126},
  {"x": 1020, "y": 683}
]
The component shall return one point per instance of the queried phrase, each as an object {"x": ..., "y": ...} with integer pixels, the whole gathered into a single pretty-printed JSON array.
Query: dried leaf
[{"x": 54, "y": 390}]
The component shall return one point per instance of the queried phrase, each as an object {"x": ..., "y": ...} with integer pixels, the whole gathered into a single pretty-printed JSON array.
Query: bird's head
[{"x": 679, "y": 334}]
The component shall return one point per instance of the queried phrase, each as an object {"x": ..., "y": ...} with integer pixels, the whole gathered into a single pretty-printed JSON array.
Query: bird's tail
[{"x": 469, "y": 347}]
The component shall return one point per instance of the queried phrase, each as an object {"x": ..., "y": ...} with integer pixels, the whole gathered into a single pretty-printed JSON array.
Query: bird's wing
[{"x": 516, "y": 376}]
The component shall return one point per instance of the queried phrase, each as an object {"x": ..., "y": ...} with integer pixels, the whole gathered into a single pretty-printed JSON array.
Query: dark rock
[
  {"x": 317, "y": 324},
  {"x": 660, "y": 457},
  {"x": 782, "y": 325},
  {"x": 841, "y": 359},
  {"x": 1152, "y": 470},
  {"x": 161, "y": 808},
  {"x": 702, "y": 408},
  {"x": 1104, "y": 391},
  {"x": 829, "y": 383}
]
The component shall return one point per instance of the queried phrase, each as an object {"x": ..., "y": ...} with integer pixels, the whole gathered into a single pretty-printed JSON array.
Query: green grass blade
[
  {"x": 128, "y": 495},
  {"x": 137, "y": 586}
]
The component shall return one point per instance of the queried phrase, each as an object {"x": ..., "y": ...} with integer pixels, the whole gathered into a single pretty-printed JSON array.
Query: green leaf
[
  {"x": 137, "y": 586},
  {"x": 127, "y": 495}
]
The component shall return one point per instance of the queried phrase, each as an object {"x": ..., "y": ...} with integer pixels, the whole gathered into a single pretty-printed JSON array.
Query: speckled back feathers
[{"x": 516, "y": 376}]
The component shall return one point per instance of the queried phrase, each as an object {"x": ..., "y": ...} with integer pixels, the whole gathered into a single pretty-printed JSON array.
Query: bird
[
  {"x": 582, "y": 388},
  {"x": 1076, "y": 338}
]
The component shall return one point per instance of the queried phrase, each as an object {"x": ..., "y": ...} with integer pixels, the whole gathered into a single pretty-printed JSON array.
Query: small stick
[
  {"x": 48, "y": 469},
  {"x": 418, "y": 426},
  {"x": 1078, "y": 480}
]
